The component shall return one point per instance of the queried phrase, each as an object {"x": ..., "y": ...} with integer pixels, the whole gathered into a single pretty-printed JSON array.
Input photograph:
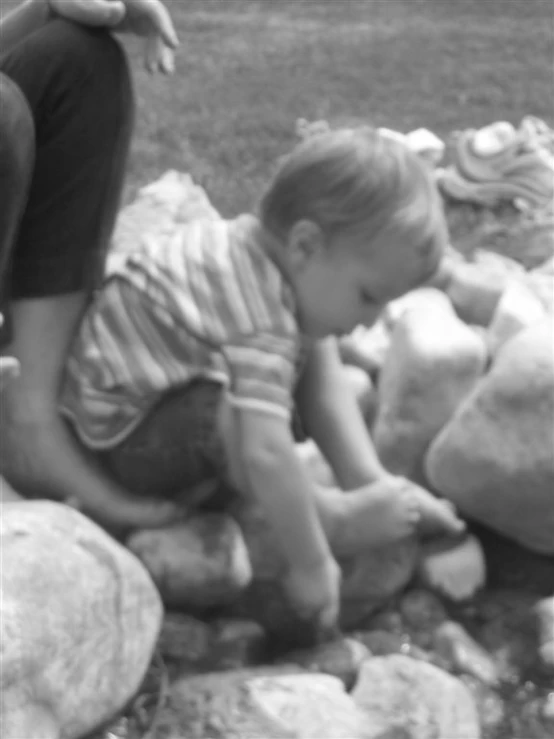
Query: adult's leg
[
  {"x": 17, "y": 153},
  {"x": 77, "y": 85}
]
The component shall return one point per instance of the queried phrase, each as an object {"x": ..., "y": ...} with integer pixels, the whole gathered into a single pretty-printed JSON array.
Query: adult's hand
[{"x": 149, "y": 19}]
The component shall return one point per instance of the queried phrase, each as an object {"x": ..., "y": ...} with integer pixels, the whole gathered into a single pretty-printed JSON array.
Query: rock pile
[{"x": 465, "y": 409}]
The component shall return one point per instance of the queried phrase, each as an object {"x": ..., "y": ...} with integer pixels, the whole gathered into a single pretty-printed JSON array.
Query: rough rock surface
[
  {"x": 269, "y": 702},
  {"x": 404, "y": 697},
  {"x": 494, "y": 458},
  {"x": 79, "y": 619},
  {"x": 200, "y": 563},
  {"x": 433, "y": 363}
]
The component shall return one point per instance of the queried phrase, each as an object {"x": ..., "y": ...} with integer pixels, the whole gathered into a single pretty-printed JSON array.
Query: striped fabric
[{"x": 204, "y": 301}]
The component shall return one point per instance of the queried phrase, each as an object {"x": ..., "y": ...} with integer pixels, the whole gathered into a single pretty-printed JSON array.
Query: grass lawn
[{"x": 247, "y": 69}]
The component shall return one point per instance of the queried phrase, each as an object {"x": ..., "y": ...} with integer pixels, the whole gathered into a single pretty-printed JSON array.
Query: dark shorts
[
  {"x": 64, "y": 196},
  {"x": 176, "y": 449}
]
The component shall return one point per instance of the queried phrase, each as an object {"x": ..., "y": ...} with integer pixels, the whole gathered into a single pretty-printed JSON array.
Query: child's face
[{"x": 348, "y": 281}]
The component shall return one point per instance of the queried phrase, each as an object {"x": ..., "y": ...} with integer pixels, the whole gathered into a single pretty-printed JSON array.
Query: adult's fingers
[
  {"x": 90, "y": 12},
  {"x": 163, "y": 24},
  {"x": 157, "y": 56}
]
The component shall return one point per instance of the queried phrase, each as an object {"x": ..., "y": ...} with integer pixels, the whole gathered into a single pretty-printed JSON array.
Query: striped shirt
[{"x": 204, "y": 301}]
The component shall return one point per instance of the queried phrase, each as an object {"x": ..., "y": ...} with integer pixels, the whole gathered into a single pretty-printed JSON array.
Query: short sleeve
[{"x": 262, "y": 372}]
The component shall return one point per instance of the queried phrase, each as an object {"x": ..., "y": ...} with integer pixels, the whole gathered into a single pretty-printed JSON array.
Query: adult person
[{"x": 66, "y": 116}]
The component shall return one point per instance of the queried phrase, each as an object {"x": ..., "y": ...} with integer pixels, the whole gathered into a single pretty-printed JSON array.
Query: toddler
[{"x": 198, "y": 349}]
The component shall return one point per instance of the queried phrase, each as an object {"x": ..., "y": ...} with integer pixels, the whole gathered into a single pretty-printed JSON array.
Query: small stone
[
  {"x": 341, "y": 659},
  {"x": 388, "y": 620},
  {"x": 544, "y": 614},
  {"x": 200, "y": 563},
  {"x": 422, "y": 610},
  {"x": 548, "y": 708},
  {"x": 465, "y": 655},
  {"x": 185, "y": 639},
  {"x": 454, "y": 567},
  {"x": 238, "y": 643},
  {"x": 381, "y": 643}
]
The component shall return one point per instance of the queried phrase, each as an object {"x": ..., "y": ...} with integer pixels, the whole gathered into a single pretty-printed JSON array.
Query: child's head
[{"x": 358, "y": 220}]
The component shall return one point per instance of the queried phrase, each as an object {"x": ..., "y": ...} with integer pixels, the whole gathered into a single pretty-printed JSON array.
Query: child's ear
[{"x": 304, "y": 243}]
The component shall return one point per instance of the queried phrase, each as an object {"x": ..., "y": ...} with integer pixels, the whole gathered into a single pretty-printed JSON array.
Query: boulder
[
  {"x": 518, "y": 308},
  {"x": 494, "y": 458},
  {"x": 408, "y": 698},
  {"x": 201, "y": 563},
  {"x": 79, "y": 620},
  {"x": 172, "y": 199},
  {"x": 434, "y": 361},
  {"x": 7, "y": 493}
]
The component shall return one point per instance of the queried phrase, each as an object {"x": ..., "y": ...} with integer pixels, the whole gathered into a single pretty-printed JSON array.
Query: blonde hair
[{"x": 356, "y": 179}]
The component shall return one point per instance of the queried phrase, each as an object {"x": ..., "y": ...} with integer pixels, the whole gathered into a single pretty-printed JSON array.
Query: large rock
[
  {"x": 518, "y": 308},
  {"x": 172, "y": 199},
  {"x": 7, "y": 493},
  {"x": 370, "y": 579},
  {"x": 433, "y": 363},
  {"x": 494, "y": 459},
  {"x": 404, "y": 697},
  {"x": 201, "y": 563},
  {"x": 79, "y": 619},
  {"x": 268, "y": 702}
]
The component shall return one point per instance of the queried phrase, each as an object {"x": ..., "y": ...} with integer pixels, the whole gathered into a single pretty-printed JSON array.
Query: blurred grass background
[{"x": 247, "y": 69}]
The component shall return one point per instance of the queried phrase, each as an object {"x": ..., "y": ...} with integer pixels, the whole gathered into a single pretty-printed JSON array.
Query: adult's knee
[
  {"x": 17, "y": 143},
  {"x": 87, "y": 52},
  {"x": 65, "y": 69}
]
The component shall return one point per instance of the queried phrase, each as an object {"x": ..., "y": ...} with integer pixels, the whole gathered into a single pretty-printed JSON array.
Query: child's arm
[
  {"x": 279, "y": 481},
  {"x": 332, "y": 418}
]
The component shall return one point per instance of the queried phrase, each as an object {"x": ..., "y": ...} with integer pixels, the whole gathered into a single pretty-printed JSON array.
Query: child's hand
[{"x": 315, "y": 594}]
